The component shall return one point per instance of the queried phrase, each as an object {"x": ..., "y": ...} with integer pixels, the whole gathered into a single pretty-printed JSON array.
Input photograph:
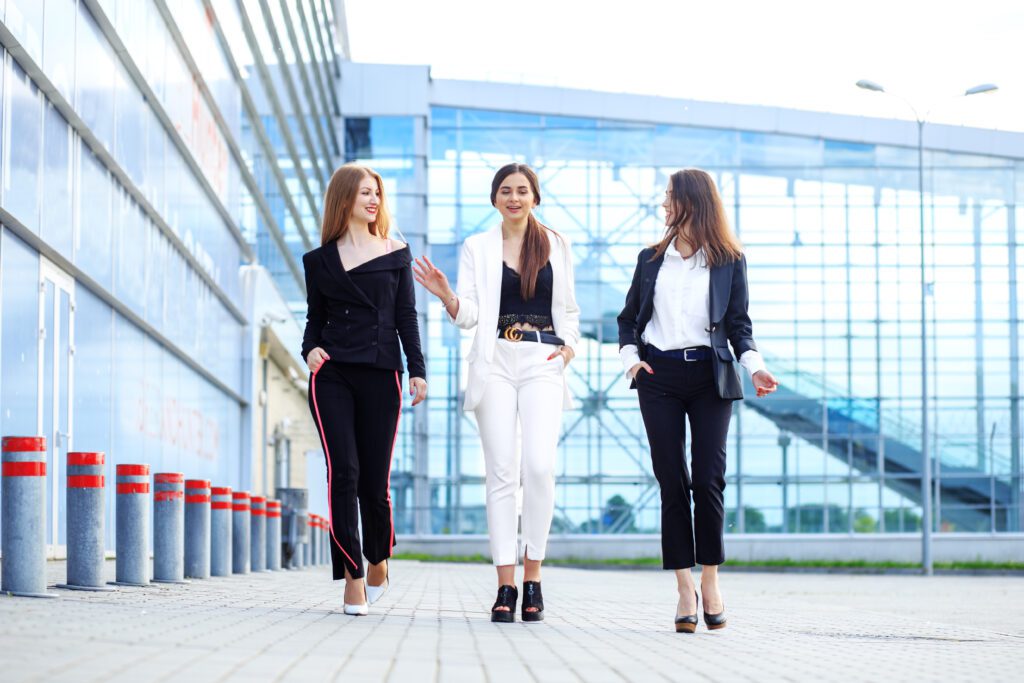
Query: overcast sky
[{"x": 789, "y": 53}]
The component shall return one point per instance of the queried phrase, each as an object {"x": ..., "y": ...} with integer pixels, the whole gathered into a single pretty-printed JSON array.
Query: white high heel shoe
[
  {"x": 358, "y": 610},
  {"x": 375, "y": 593}
]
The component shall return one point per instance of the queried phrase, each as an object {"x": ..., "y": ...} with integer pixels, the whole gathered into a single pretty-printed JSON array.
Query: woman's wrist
[{"x": 449, "y": 298}]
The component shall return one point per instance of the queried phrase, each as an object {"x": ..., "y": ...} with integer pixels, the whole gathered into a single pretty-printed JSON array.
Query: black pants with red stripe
[{"x": 356, "y": 410}]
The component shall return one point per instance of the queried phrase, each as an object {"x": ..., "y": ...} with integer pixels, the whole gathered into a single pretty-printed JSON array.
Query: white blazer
[{"x": 479, "y": 290}]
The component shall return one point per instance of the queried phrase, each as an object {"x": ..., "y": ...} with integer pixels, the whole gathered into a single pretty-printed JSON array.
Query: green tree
[{"x": 753, "y": 521}]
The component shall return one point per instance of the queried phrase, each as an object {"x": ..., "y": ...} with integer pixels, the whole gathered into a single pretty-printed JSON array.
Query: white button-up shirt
[{"x": 680, "y": 319}]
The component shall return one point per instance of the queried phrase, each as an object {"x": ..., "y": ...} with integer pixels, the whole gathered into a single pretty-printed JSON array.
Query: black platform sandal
[
  {"x": 532, "y": 597},
  {"x": 507, "y": 597},
  {"x": 687, "y": 623}
]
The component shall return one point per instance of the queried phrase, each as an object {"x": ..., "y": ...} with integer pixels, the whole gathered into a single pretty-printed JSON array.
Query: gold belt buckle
[{"x": 513, "y": 334}]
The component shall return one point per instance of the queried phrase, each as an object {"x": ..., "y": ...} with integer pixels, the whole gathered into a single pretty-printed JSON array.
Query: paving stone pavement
[{"x": 602, "y": 625}]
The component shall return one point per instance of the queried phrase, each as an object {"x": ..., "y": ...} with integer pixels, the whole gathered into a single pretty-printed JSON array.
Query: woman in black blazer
[
  {"x": 686, "y": 305},
  {"x": 359, "y": 289}
]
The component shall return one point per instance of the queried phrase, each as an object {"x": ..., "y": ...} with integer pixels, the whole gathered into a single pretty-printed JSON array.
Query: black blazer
[
  {"x": 357, "y": 316},
  {"x": 727, "y": 302}
]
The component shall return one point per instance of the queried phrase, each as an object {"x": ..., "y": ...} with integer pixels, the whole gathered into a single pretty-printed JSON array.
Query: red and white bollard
[
  {"x": 86, "y": 502},
  {"x": 23, "y": 541}
]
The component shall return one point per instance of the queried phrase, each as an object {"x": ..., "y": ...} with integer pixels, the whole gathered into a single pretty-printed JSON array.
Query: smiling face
[
  {"x": 367, "y": 200},
  {"x": 669, "y": 204},
  {"x": 515, "y": 198}
]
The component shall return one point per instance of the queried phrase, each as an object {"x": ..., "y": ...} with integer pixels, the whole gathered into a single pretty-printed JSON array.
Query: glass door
[{"x": 56, "y": 358}]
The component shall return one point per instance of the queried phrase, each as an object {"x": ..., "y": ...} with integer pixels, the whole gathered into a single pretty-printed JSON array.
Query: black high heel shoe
[
  {"x": 715, "y": 621},
  {"x": 688, "y": 623},
  {"x": 507, "y": 597},
  {"x": 532, "y": 598}
]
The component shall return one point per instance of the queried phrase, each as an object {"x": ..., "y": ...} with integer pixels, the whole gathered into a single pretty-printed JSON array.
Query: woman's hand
[
  {"x": 764, "y": 383},
  {"x": 417, "y": 389},
  {"x": 431, "y": 277},
  {"x": 635, "y": 370},
  {"x": 316, "y": 358},
  {"x": 566, "y": 353}
]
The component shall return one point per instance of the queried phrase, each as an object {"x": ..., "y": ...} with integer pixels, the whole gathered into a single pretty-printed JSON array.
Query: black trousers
[
  {"x": 676, "y": 391},
  {"x": 356, "y": 410}
]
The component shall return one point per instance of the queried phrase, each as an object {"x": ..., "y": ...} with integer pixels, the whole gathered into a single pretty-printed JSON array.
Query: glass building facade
[
  {"x": 135, "y": 186},
  {"x": 832, "y": 233}
]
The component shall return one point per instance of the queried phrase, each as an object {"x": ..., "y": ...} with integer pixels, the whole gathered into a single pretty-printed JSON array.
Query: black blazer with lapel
[
  {"x": 727, "y": 303},
  {"x": 358, "y": 316}
]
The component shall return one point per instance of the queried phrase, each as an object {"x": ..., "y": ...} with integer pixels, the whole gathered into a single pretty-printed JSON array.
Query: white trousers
[{"x": 524, "y": 395}]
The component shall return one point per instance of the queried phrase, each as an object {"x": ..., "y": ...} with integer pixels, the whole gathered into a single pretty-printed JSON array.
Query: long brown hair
[
  {"x": 341, "y": 196},
  {"x": 697, "y": 207},
  {"x": 536, "y": 248}
]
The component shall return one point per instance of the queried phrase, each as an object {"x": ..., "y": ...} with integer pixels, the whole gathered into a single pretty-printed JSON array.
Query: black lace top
[{"x": 514, "y": 310}]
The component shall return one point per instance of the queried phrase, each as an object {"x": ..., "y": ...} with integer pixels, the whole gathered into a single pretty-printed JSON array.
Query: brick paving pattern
[{"x": 602, "y": 625}]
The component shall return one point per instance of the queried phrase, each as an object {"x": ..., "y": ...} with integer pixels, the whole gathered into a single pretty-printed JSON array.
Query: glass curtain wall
[{"x": 832, "y": 236}]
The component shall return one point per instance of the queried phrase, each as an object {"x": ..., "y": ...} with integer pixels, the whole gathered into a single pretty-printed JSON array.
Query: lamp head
[
  {"x": 869, "y": 85},
  {"x": 978, "y": 89}
]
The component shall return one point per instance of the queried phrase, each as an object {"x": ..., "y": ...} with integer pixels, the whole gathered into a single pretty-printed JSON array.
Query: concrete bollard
[
  {"x": 273, "y": 532},
  {"x": 307, "y": 548},
  {"x": 302, "y": 522},
  {"x": 314, "y": 544},
  {"x": 132, "y": 523},
  {"x": 240, "y": 532},
  {"x": 23, "y": 536},
  {"x": 320, "y": 539},
  {"x": 197, "y": 529},
  {"x": 258, "y": 535},
  {"x": 86, "y": 503},
  {"x": 325, "y": 546},
  {"x": 221, "y": 545},
  {"x": 169, "y": 527},
  {"x": 294, "y": 502},
  {"x": 325, "y": 542}
]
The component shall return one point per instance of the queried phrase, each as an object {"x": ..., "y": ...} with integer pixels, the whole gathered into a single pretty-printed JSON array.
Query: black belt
[
  {"x": 690, "y": 354},
  {"x": 514, "y": 334}
]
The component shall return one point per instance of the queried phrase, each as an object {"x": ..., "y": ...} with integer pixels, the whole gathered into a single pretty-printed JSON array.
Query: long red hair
[
  {"x": 340, "y": 197},
  {"x": 536, "y": 249},
  {"x": 698, "y": 218}
]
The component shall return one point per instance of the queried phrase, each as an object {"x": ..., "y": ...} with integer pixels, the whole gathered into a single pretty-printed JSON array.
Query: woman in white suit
[{"x": 516, "y": 288}]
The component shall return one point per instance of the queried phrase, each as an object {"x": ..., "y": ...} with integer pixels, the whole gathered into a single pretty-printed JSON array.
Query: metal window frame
[
  {"x": 289, "y": 85},
  {"x": 325, "y": 61},
  {"x": 319, "y": 79},
  {"x": 307, "y": 88},
  {"x": 128, "y": 62},
  {"x": 236, "y": 152},
  {"x": 19, "y": 230},
  {"x": 75, "y": 122},
  {"x": 275, "y": 104}
]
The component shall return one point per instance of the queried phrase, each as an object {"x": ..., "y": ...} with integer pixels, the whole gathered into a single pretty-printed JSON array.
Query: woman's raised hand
[{"x": 431, "y": 277}]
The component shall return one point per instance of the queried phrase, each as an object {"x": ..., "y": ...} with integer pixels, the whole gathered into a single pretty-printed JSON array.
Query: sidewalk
[{"x": 433, "y": 625}]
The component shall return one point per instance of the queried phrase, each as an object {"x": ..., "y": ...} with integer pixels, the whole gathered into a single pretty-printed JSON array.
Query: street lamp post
[
  {"x": 784, "y": 441},
  {"x": 926, "y": 466}
]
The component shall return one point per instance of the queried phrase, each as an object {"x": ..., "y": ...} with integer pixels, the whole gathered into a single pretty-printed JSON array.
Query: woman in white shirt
[
  {"x": 516, "y": 288},
  {"x": 686, "y": 305}
]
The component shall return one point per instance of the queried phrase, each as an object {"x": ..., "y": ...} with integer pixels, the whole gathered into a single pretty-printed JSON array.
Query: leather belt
[
  {"x": 515, "y": 334},
  {"x": 693, "y": 353}
]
